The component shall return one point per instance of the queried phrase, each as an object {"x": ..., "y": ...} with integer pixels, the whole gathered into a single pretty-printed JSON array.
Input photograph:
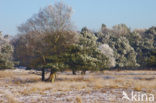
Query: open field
[{"x": 25, "y": 86}]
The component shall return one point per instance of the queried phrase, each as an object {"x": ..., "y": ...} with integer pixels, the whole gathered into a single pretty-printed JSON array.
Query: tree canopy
[
  {"x": 6, "y": 53},
  {"x": 48, "y": 41}
]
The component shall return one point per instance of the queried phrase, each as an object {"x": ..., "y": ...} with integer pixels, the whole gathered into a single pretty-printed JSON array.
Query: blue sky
[{"x": 90, "y": 13}]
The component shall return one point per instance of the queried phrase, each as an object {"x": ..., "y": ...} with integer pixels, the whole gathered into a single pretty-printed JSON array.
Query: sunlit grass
[{"x": 25, "y": 83}]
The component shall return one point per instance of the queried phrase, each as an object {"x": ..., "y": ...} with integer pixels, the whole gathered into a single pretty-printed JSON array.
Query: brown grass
[
  {"x": 78, "y": 99},
  {"x": 4, "y": 73},
  {"x": 9, "y": 98},
  {"x": 25, "y": 83}
]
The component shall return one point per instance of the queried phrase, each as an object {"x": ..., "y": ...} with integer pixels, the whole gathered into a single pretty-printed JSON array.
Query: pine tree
[
  {"x": 85, "y": 55},
  {"x": 6, "y": 51}
]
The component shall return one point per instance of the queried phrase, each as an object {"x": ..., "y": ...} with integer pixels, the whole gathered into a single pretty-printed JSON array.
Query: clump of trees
[
  {"x": 6, "y": 51},
  {"x": 131, "y": 48},
  {"x": 44, "y": 38},
  {"x": 49, "y": 41},
  {"x": 124, "y": 54},
  {"x": 143, "y": 42},
  {"x": 92, "y": 58}
]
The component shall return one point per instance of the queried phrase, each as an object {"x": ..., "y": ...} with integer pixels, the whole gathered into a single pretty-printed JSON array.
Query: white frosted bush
[{"x": 109, "y": 53}]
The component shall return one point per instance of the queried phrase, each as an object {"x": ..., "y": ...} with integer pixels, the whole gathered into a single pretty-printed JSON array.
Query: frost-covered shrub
[{"x": 109, "y": 53}]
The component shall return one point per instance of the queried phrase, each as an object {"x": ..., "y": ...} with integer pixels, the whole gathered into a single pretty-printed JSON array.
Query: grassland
[{"x": 25, "y": 86}]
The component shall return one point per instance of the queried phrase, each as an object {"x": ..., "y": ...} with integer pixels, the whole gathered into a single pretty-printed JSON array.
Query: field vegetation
[
  {"x": 24, "y": 86},
  {"x": 49, "y": 60}
]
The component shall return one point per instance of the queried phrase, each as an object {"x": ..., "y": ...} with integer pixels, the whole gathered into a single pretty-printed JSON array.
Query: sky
[{"x": 90, "y": 13}]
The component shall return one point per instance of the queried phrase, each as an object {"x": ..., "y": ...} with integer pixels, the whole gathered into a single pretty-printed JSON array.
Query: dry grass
[
  {"x": 78, "y": 99},
  {"x": 67, "y": 82},
  {"x": 9, "y": 97},
  {"x": 5, "y": 73},
  {"x": 26, "y": 83}
]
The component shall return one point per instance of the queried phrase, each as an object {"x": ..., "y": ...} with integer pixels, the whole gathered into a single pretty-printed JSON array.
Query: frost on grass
[{"x": 25, "y": 86}]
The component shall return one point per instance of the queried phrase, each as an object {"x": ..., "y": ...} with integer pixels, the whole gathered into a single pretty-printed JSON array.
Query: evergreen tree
[
  {"x": 6, "y": 51},
  {"x": 85, "y": 55},
  {"x": 125, "y": 55}
]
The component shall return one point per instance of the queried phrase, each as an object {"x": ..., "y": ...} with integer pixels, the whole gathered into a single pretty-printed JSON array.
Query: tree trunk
[
  {"x": 74, "y": 72},
  {"x": 52, "y": 76},
  {"x": 43, "y": 70},
  {"x": 83, "y": 72},
  {"x": 43, "y": 74}
]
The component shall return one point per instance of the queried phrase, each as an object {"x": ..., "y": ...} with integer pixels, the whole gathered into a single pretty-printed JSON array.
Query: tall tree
[{"x": 45, "y": 35}]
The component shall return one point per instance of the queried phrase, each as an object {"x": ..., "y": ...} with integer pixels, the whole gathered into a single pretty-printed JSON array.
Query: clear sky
[{"x": 90, "y": 13}]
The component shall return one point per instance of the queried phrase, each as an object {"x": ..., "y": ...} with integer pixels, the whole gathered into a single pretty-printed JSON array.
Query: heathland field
[
  {"x": 25, "y": 86},
  {"x": 54, "y": 57}
]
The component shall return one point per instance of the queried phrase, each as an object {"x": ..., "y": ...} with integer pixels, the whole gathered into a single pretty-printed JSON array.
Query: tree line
[{"x": 49, "y": 41}]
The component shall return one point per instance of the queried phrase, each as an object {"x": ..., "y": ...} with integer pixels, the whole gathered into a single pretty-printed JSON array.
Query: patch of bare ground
[{"x": 25, "y": 86}]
